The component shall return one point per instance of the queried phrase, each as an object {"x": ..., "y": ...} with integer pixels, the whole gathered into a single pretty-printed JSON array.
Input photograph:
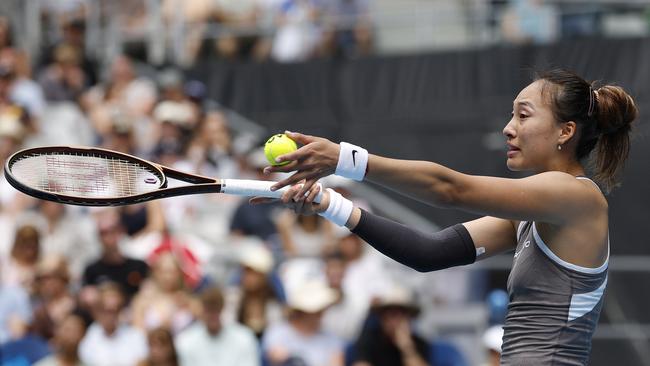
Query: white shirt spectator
[
  {"x": 365, "y": 278},
  {"x": 235, "y": 345},
  {"x": 14, "y": 309},
  {"x": 316, "y": 350},
  {"x": 126, "y": 346},
  {"x": 298, "y": 35},
  {"x": 27, "y": 93},
  {"x": 345, "y": 319}
]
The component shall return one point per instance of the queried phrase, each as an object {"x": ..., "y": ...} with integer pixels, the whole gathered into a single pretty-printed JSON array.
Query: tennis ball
[{"x": 277, "y": 145}]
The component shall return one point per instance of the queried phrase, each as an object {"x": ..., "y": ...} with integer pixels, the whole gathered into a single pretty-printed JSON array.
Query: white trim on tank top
[{"x": 562, "y": 262}]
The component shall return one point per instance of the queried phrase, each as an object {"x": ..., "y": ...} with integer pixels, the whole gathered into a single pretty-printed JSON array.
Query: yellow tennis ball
[{"x": 277, "y": 145}]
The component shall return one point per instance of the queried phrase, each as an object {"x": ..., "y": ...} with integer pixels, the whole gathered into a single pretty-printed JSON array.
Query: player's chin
[{"x": 514, "y": 165}]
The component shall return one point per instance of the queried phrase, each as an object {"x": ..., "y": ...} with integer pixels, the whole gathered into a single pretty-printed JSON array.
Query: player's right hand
[{"x": 301, "y": 205}]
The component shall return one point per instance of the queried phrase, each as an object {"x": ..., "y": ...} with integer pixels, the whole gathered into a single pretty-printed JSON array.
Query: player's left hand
[{"x": 317, "y": 158}]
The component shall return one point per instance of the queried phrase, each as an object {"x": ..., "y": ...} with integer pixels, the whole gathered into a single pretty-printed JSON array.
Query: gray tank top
[{"x": 554, "y": 305}]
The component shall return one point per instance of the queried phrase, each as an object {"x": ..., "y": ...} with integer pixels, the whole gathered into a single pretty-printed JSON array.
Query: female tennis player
[{"x": 556, "y": 220}]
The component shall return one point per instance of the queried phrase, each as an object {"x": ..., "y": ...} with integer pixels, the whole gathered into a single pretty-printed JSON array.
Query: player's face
[{"x": 532, "y": 133}]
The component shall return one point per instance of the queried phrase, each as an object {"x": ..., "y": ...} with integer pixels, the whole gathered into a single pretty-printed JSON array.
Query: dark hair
[
  {"x": 603, "y": 116},
  {"x": 212, "y": 299},
  {"x": 163, "y": 335}
]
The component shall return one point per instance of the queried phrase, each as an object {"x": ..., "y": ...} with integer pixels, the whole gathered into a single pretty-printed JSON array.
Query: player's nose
[{"x": 509, "y": 130}]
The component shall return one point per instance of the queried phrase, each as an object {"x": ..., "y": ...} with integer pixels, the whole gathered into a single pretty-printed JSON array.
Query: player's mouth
[{"x": 512, "y": 150}]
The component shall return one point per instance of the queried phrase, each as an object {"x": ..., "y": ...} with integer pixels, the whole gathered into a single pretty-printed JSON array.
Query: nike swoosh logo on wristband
[{"x": 354, "y": 152}]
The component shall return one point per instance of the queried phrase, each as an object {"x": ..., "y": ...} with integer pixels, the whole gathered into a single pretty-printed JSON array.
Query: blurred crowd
[
  {"x": 237, "y": 30},
  {"x": 196, "y": 280}
]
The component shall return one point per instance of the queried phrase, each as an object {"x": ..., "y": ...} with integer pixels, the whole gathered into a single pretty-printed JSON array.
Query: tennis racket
[{"x": 87, "y": 176}]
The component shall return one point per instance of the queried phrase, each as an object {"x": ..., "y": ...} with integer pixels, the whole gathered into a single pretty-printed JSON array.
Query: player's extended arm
[{"x": 553, "y": 197}]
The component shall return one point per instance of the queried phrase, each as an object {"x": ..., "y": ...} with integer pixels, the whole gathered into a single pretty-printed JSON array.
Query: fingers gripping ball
[{"x": 277, "y": 145}]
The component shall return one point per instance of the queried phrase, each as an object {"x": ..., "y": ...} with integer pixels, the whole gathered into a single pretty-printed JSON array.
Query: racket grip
[{"x": 262, "y": 188}]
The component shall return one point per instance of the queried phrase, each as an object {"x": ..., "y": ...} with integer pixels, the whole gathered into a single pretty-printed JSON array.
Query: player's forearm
[
  {"x": 423, "y": 252},
  {"x": 431, "y": 183}
]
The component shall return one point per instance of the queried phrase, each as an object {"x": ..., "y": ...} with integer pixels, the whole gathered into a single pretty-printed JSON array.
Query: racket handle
[{"x": 262, "y": 188}]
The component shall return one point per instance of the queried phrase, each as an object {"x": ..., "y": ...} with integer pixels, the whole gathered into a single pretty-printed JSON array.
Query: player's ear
[{"x": 567, "y": 131}]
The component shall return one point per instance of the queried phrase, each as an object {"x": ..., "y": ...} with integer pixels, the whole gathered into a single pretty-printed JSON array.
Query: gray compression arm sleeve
[{"x": 423, "y": 252}]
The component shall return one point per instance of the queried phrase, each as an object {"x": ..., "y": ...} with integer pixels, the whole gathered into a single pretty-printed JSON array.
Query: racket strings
[{"x": 85, "y": 174}]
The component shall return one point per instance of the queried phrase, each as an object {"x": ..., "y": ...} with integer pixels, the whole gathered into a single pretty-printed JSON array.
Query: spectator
[
  {"x": 170, "y": 85},
  {"x": 210, "y": 342},
  {"x": 348, "y": 28},
  {"x": 144, "y": 226},
  {"x": 298, "y": 34},
  {"x": 12, "y": 136},
  {"x": 110, "y": 341},
  {"x": 253, "y": 301},
  {"x": 6, "y": 36},
  {"x": 301, "y": 340},
  {"x": 530, "y": 21},
  {"x": 210, "y": 150},
  {"x": 143, "y": 222},
  {"x": 209, "y": 154},
  {"x": 24, "y": 351},
  {"x": 165, "y": 298},
  {"x": 176, "y": 121},
  {"x": 161, "y": 349},
  {"x": 492, "y": 340},
  {"x": 112, "y": 266},
  {"x": 124, "y": 91},
  {"x": 365, "y": 276},
  {"x": 53, "y": 299},
  {"x": 303, "y": 236},
  {"x": 120, "y": 136},
  {"x": 23, "y": 90},
  {"x": 255, "y": 220},
  {"x": 66, "y": 233},
  {"x": 66, "y": 342},
  {"x": 15, "y": 313},
  {"x": 345, "y": 317},
  {"x": 392, "y": 343},
  {"x": 73, "y": 33},
  {"x": 64, "y": 79},
  {"x": 237, "y": 15},
  {"x": 20, "y": 268}
]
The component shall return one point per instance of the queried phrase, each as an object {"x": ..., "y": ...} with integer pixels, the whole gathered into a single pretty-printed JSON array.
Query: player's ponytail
[
  {"x": 615, "y": 113},
  {"x": 604, "y": 117}
]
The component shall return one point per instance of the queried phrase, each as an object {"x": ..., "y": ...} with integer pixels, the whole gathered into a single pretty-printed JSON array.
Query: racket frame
[{"x": 200, "y": 184}]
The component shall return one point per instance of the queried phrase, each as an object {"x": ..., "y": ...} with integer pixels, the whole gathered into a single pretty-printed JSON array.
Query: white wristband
[
  {"x": 339, "y": 210},
  {"x": 353, "y": 161}
]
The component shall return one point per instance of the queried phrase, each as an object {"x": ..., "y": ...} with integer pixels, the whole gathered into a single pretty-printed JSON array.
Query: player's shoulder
[
  {"x": 581, "y": 189},
  {"x": 562, "y": 180}
]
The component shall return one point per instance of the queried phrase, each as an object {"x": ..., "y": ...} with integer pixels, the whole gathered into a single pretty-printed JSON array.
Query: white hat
[
  {"x": 493, "y": 338},
  {"x": 253, "y": 254},
  {"x": 397, "y": 296},
  {"x": 177, "y": 113},
  {"x": 311, "y": 297}
]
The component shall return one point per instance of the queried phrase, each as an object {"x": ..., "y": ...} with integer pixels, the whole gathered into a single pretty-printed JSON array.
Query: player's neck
[{"x": 569, "y": 166}]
